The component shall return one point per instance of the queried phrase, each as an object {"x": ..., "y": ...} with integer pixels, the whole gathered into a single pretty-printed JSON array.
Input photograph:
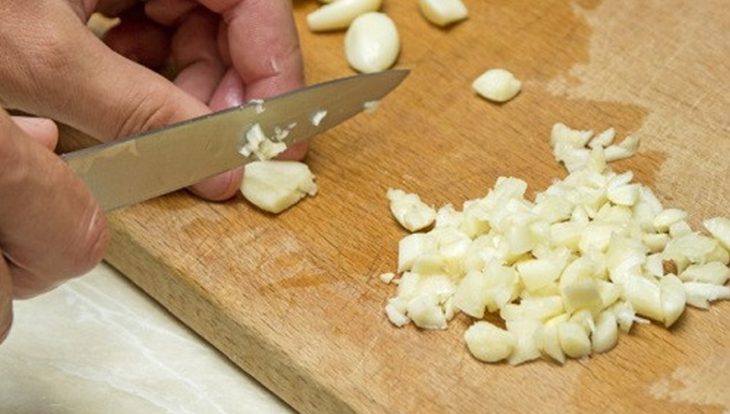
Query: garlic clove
[
  {"x": 372, "y": 43},
  {"x": 339, "y": 14}
]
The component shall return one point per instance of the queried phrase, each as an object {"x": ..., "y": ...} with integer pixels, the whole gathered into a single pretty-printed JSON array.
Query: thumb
[
  {"x": 42, "y": 130},
  {"x": 51, "y": 229},
  {"x": 86, "y": 85}
]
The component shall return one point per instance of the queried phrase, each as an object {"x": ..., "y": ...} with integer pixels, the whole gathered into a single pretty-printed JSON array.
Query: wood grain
[{"x": 294, "y": 299}]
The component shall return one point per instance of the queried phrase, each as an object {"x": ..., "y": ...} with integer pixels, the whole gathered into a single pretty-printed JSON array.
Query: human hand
[
  {"x": 226, "y": 52},
  {"x": 46, "y": 235}
]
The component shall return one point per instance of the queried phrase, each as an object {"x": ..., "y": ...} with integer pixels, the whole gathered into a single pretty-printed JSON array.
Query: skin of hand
[{"x": 225, "y": 52}]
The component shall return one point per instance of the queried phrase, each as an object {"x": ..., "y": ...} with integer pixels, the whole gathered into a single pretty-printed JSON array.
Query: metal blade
[{"x": 141, "y": 167}]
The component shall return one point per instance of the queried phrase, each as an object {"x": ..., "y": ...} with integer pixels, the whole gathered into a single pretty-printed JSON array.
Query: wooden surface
[{"x": 294, "y": 299}]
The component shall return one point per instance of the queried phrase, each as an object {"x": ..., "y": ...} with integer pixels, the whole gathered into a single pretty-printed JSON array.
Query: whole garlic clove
[
  {"x": 372, "y": 43},
  {"x": 443, "y": 12},
  {"x": 339, "y": 14},
  {"x": 498, "y": 85}
]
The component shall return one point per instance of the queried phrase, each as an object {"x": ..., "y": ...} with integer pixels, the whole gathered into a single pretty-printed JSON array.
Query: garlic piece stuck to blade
[
  {"x": 274, "y": 186},
  {"x": 591, "y": 255},
  {"x": 258, "y": 144},
  {"x": 372, "y": 43},
  {"x": 443, "y": 12},
  {"x": 339, "y": 14},
  {"x": 498, "y": 85}
]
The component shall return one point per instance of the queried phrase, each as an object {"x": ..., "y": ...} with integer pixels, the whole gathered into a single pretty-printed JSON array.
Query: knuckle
[{"x": 144, "y": 112}]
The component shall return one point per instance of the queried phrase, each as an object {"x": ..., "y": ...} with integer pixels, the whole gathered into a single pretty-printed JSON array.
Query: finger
[
  {"x": 195, "y": 53},
  {"x": 96, "y": 91},
  {"x": 43, "y": 130},
  {"x": 139, "y": 39},
  {"x": 263, "y": 45},
  {"x": 6, "y": 300},
  {"x": 169, "y": 12},
  {"x": 51, "y": 227}
]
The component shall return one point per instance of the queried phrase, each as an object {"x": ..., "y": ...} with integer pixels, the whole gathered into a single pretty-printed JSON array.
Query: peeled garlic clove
[
  {"x": 719, "y": 227},
  {"x": 498, "y": 85},
  {"x": 605, "y": 336},
  {"x": 674, "y": 299},
  {"x": 371, "y": 43},
  {"x": 339, "y": 14},
  {"x": 274, "y": 186},
  {"x": 489, "y": 343},
  {"x": 443, "y": 12}
]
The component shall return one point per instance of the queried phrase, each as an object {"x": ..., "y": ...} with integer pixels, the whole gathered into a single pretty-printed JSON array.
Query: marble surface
[{"x": 99, "y": 344}]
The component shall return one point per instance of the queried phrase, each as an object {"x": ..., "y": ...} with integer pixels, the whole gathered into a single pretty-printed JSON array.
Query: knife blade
[{"x": 144, "y": 166}]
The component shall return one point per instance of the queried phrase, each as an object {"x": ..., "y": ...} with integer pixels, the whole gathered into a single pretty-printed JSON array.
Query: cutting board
[{"x": 294, "y": 299}]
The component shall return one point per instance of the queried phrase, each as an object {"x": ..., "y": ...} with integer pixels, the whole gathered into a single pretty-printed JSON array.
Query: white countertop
[{"x": 99, "y": 344}]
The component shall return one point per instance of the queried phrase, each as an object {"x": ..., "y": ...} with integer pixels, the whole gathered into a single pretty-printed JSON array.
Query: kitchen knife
[{"x": 144, "y": 166}]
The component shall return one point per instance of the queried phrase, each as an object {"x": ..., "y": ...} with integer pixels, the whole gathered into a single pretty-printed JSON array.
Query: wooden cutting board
[{"x": 294, "y": 299}]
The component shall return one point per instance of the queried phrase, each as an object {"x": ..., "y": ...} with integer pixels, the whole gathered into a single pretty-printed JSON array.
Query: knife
[{"x": 157, "y": 162}]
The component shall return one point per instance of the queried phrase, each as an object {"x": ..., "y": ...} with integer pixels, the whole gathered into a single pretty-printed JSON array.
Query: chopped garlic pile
[{"x": 592, "y": 254}]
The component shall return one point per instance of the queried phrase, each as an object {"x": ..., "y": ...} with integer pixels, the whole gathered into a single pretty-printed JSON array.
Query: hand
[
  {"x": 227, "y": 52},
  {"x": 51, "y": 229}
]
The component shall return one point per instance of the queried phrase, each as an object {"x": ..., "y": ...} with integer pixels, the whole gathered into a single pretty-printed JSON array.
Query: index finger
[{"x": 263, "y": 44}]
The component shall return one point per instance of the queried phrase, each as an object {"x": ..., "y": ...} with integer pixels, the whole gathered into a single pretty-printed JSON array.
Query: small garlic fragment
[
  {"x": 408, "y": 209},
  {"x": 625, "y": 149},
  {"x": 339, "y": 14},
  {"x": 574, "y": 340},
  {"x": 372, "y": 43},
  {"x": 387, "y": 277},
  {"x": 713, "y": 272},
  {"x": 498, "y": 85},
  {"x": 666, "y": 218},
  {"x": 605, "y": 336},
  {"x": 701, "y": 294},
  {"x": 318, "y": 117},
  {"x": 259, "y": 144},
  {"x": 443, "y": 12},
  {"x": 488, "y": 342},
  {"x": 274, "y": 186},
  {"x": 674, "y": 299},
  {"x": 603, "y": 139},
  {"x": 526, "y": 332},
  {"x": 719, "y": 227}
]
